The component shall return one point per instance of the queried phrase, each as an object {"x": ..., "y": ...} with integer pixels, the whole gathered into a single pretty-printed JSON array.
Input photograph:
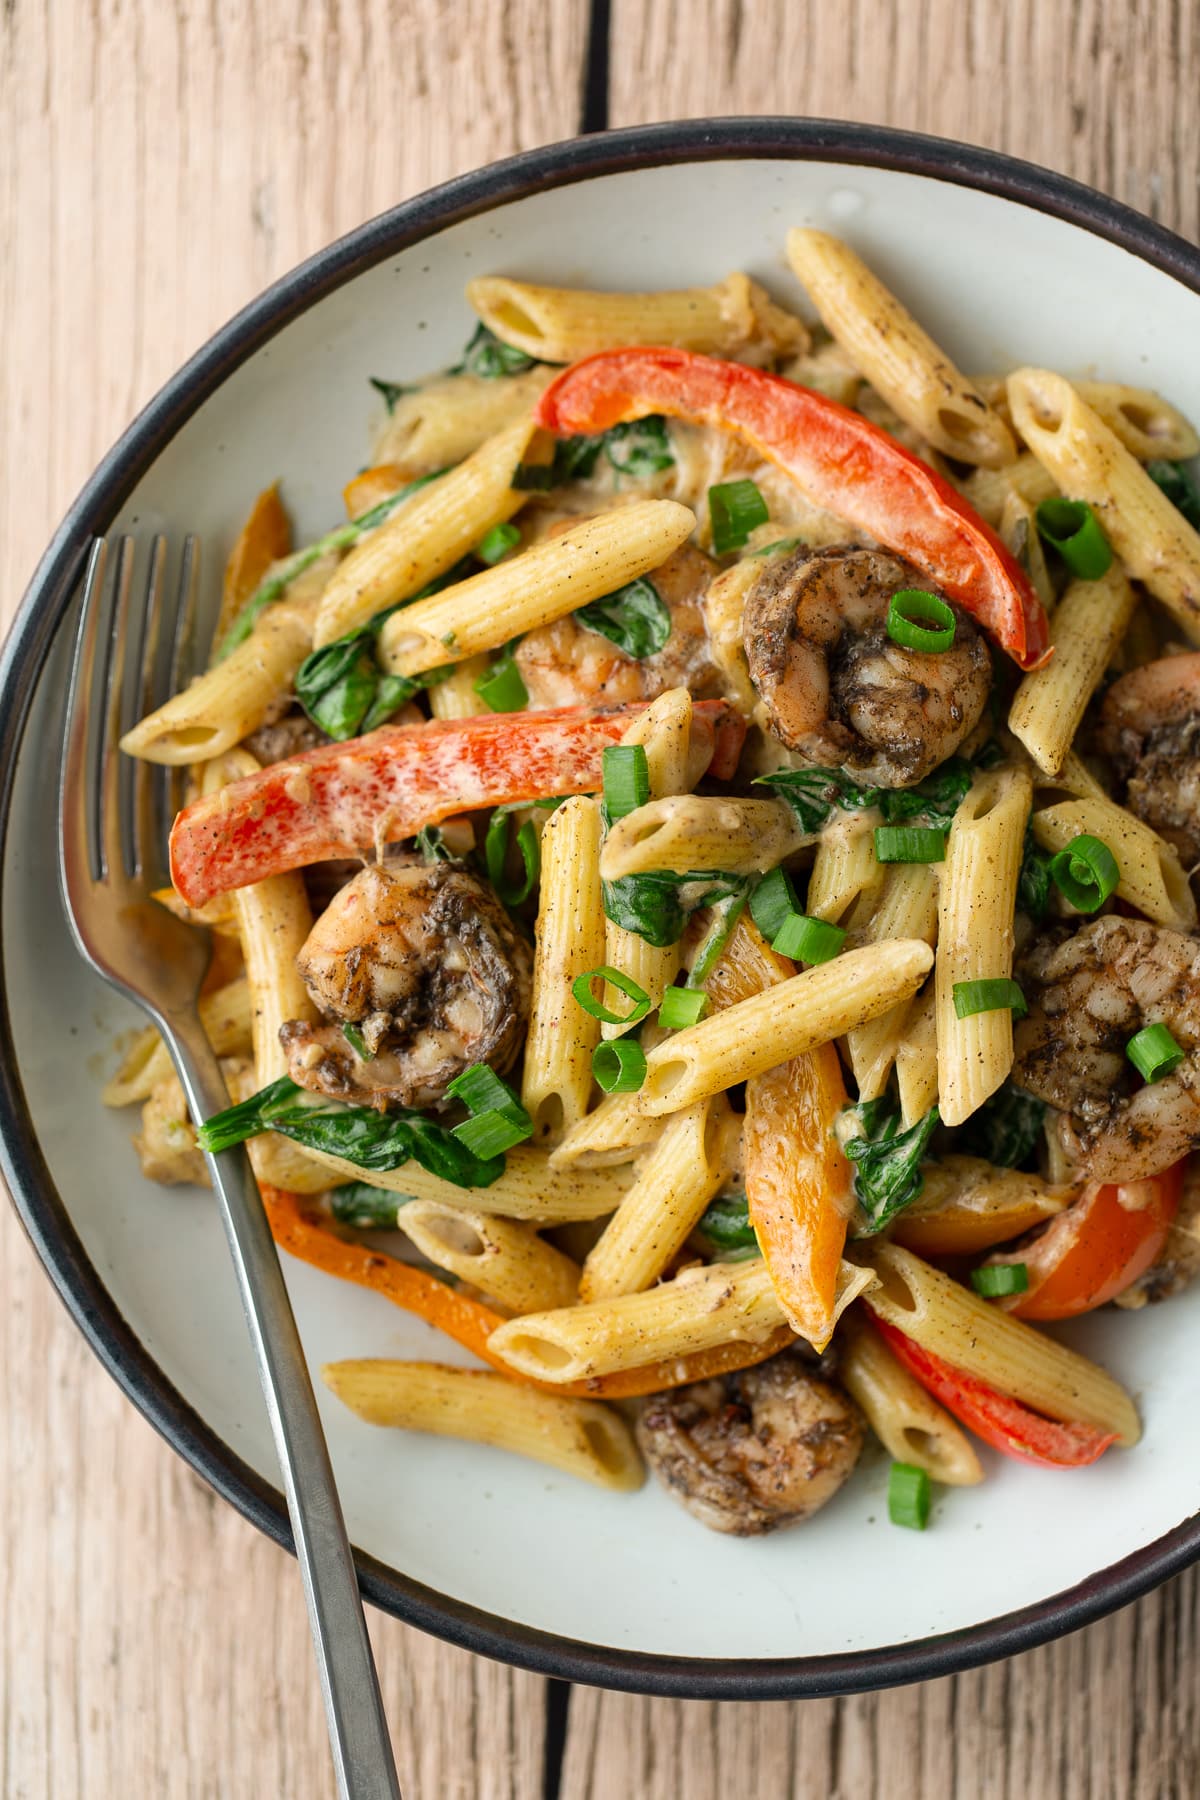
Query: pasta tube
[
  {"x": 844, "y": 867},
  {"x": 906, "y": 908},
  {"x": 455, "y": 698},
  {"x": 560, "y": 325},
  {"x": 724, "y": 604},
  {"x": 540, "y": 585},
  {"x": 1146, "y": 424},
  {"x": 976, "y": 900},
  {"x": 1152, "y": 879},
  {"x": 580, "y": 1437},
  {"x": 917, "y": 1061},
  {"x": 770, "y": 1028},
  {"x": 1089, "y": 462},
  {"x": 614, "y": 1132},
  {"x": 225, "y": 1016},
  {"x": 989, "y": 490},
  {"x": 1087, "y": 626},
  {"x": 675, "y": 1183},
  {"x": 504, "y": 1259},
  {"x": 956, "y": 1324},
  {"x": 899, "y": 359},
  {"x": 965, "y": 1206},
  {"x": 426, "y": 535},
  {"x": 692, "y": 831},
  {"x": 908, "y": 1422},
  {"x": 442, "y": 422},
  {"x": 530, "y": 1187},
  {"x": 569, "y": 940}
]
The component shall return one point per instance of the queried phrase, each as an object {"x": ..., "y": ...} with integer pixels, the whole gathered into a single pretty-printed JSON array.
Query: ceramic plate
[{"x": 1005, "y": 264}]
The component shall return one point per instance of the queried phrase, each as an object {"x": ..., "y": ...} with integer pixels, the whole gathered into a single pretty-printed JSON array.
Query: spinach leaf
[
  {"x": 431, "y": 842},
  {"x": 486, "y": 355},
  {"x": 887, "y": 1161},
  {"x": 813, "y": 794},
  {"x": 360, "y": 1134},
  {"x": 1033, "y": 882},
  {"x": 391, "y": 391},
  {"x": 725, "y": 1226},
  {"x": 365, "y": 1207},
  {"x": 1179, "y": 485},
  {"x": 634, "y": 617},
  {"x": 934, "y": 800},
  {"x": 657, "y": 904},
  {"x": 1005, "y": 1130},
  {"x": 639, "y": 448}
]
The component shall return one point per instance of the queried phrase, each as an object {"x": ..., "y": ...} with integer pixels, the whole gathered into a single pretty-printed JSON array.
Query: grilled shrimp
[
  {"x": 1150, "y": 727},
  {"x": 749, "y": 1452},
  {"x": 833, "y": 685},
  {"x": 1088, "y": 994},
  {"x": 424, "y": 961},
  {"x": 566, "y": 664}
]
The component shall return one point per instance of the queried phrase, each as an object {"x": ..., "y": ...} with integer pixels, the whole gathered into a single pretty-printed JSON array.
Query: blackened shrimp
[
  {"x": 1088, "y": 994},
  {"x": 427, "y": 967},
  {"x": 566, "y": 664},
  {"x": 832, "y": 683},
  {"x": 1150, "y": 727},
  {"x": 749, "y": 1452}
]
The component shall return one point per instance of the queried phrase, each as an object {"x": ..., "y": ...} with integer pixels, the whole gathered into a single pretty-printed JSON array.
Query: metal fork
[{"x": 114, "y": 815}]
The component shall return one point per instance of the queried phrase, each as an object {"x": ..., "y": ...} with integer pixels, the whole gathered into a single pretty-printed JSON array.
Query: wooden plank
[
  {"x": 1104, "y": 92},
  {"x": 158, "y": 165}
]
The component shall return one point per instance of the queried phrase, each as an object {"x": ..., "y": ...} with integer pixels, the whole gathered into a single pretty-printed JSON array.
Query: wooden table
[{"x": 159, "y": 164}]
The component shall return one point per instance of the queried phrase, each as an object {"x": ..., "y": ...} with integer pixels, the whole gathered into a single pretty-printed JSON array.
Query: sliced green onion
[
  {"x": 773, "y": 903},
  {"x": 620, "y": 1065},
  {"x": 1074, "y": 530},
  {"x": 495, "y": 855},
  {"x": 920, "y": 620},
  {"x": 995, "y": 1280},
  {"x": 681, "y": 1007},
  {"x": 909, "y": 844},
  {"x": 481, "y": 1090},
  {"x": 495, "y": 544},
  {"x": 357, "y": 1043},
  {"x": 502, "y": 688},
  {"x": 492, "y": 1133},
  {"x": 808, "y": 940},
  {"x": 725, "y": 915},
  {"x": 734, "y": 509},
  {"x": 1086, "y": 872},
  {"x": 971, "y": 997},
  {"x": 626, "y": 779},
  {"x": 909, "y": 1496},
  {"x": 1154, "y": 1052},
  {"x": 581, "y": 987}
]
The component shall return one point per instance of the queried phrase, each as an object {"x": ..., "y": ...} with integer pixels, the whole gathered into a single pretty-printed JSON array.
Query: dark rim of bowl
[{"x": 38, "y": 1202}]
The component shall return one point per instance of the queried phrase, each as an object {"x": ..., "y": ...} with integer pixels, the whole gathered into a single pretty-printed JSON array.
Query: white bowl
[{"x": 1005, "y": 264}]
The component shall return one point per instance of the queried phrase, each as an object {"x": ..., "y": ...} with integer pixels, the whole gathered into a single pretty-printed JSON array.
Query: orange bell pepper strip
[
  {"x": 263, "y": 539},
  {"x": 341, "y": 799},
  {"x": 835, "y": 456},
  {"x": 370, "y": 486},
  {"x": 1001, "y": 1421},
  {"x": 799, "y": 1187},
  {"x": 468, "y": 1321},
  {"x": 1096, "y": 1249}
]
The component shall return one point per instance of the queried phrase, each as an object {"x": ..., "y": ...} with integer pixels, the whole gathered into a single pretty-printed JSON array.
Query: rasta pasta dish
[{"x": 698, "y": 868}]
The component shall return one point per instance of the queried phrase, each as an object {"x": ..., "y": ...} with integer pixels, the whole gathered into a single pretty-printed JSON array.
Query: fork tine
[
  {"x": 113, "y": 792},
  {"x": 184, "y": 649},
  {"x": 78, "y": 833},
  {"x": 140, "y": 698}
]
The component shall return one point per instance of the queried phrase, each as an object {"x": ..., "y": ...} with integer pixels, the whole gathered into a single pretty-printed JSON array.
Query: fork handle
[{"x": 358, "y": 1733}]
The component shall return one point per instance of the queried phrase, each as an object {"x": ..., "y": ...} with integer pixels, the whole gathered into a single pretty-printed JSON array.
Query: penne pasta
[
  {"x": 504, "y": 1259},
  {"x": 682, "y": 832},
  {"x": 891, "y": 351},
  {"x": 1017, "y": 526},
  {"x": 455, "y": 697},
  {"x": 770, "y": 1028},
  {"x": 426, "y": 535},
  {"x": 955, "y": 1324},
  {"x": 225, "y": 1016},
  {"x": 675, "y": 1182},
  {"x": 908, "y": 1422},
  {"x": 1146, "y": 424},
  {"x": 569, "y": 940},
  {"x": 1049, "y": 705},
  {"x": 976, "y": 902},
  {"x": 580, "y": 1437},
  {"x": 906, "y": 907},
  {"x": 844, "y": 868},
  {"x": 611, "y": 1134},
  {"x": 917, "y": 1060},
  {"x": 724, "y": 604},
  {"x": 559, "y": 325},
  {"x": 442, "y": 422},
  {"x": 989, "y": 490},
  {"x": 531, "y": 1187},
  {"x": 1089, "y": 462},
  {"x": 543, "y": 583},
  {"x": 965, "y": 1205},
  {"x": 1151, "y": 876}
]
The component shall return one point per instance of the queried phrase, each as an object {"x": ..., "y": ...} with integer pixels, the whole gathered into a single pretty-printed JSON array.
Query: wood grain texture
[
  {"x": 159, "y": 164},
  {"x": 1101, "y": 90}
]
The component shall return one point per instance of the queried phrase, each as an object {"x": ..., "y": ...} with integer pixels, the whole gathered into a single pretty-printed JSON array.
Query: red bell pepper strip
[
  {"x": 998, "y": 1419},
  {"x": 343, "y": 799},
  {"x": 1096, "y": 1248},
  {"x": 838, "y": 458}
]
